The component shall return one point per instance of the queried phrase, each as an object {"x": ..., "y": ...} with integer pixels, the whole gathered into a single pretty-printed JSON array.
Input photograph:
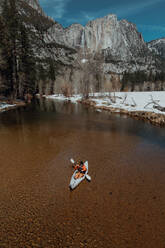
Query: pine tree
[
  {"x": 27, "y": 68},
  {"x": 8, "y": 46},
  {"x": 5, "y": 58},
  {"x": 17, "y": 63}
]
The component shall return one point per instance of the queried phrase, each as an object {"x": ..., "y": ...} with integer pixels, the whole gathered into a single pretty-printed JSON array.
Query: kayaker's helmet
[{"x": 81, "y": 163}]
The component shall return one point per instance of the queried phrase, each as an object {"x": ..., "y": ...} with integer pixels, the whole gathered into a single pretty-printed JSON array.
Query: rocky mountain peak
[
  {"x": 34, "y": 4},
  {"x": 111, "y": 18},
  {"x": 158, "y": 47},
  {"x": 118, "y": 41},
  {"x": 99, "y": 34}
]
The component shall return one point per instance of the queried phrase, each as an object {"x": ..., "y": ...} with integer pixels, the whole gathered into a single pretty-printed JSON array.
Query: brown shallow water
[{"x": 122, "y": 207}]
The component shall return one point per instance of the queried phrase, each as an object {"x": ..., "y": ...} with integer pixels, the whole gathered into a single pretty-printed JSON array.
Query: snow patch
[
  {"x": 130, "y": 101},
  {"x": 84, "y": 61},
  {"x": 3, "y": 106}
]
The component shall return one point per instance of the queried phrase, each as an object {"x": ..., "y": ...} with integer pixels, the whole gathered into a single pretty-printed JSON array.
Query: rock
[
  {"x": 35, "y": 5},
  {"x": 157, "y": 46}
]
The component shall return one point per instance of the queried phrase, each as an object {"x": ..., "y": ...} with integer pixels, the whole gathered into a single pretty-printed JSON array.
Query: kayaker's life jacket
[
  {"x": 83, "y": 168},
  {"x": 80, "y": 168},
  {"x": 76, "y": 166}
]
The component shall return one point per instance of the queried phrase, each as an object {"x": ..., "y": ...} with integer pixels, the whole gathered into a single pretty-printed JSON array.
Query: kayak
[{"x": 75, "y": 182}]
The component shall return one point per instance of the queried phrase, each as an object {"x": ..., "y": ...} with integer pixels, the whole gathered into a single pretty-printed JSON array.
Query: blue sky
[{"x": 148, "y": 15}]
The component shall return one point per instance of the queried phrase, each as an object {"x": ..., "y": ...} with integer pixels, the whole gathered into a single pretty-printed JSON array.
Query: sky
[{"x": 148, "y": 15}]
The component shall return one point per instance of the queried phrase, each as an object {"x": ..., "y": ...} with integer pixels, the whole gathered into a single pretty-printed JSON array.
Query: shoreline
[
  {"x": 154, "y": 118},
  {"x": 5, "y": 105},
  {"x": 138, "y": 105}
]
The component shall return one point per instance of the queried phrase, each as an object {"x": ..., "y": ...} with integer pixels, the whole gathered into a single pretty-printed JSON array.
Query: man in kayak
[{"x": 81, "y": 169}]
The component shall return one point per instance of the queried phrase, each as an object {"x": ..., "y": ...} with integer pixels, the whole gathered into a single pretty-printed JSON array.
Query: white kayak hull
[{"x": 75, "y": 182}]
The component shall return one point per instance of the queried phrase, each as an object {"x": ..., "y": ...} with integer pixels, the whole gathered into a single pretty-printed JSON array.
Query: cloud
[
  {"x": 83, "y": 18},
  {"x": 134, "y": 8},
  {"x": 56, "y": 7}
]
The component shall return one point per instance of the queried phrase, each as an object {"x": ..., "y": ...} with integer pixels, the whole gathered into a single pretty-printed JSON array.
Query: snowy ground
[
  {"x": 61, "y": 97},
  {"x": 130, "y": 101},
  {"x": 4, "y": 106}
]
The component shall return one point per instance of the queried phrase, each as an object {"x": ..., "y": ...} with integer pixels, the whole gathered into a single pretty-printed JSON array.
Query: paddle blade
[
  {"x": 72, "y": 160},
  {"x": 88, "y": 177}
]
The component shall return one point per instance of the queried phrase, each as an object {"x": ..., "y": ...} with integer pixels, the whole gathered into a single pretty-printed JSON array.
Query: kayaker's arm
[{"x": 82, "y": 169}]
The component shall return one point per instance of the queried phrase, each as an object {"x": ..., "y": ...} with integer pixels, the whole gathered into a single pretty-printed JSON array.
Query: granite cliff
[
  {"x": 157, "y": 47},
  {"x": 34, "y": 4},
  {"x": 121, "y": 45}
]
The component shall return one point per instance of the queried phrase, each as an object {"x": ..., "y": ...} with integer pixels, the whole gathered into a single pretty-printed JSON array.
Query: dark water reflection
[{"x": 123, "y": 206}]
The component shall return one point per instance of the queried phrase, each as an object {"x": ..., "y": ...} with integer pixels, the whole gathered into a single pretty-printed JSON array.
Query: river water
[{"x": 122, "y": 207}]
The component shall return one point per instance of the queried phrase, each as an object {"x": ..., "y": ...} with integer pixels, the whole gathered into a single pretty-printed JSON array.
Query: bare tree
[
  {"x": 67, "y": 90},
  {"x": 91, "y": 67},
  {"x": 134, "y": 103},
  {"x": 156, "y": 104},
  {"x": 112, "y": 97},
  {"x": 124, "y": 99}
]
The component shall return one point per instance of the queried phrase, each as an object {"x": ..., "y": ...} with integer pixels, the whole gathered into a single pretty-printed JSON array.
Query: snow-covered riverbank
[
  {"x": 4, "y": 105},
  {"x": 129, "y": 101},
  {"x": 143, "y": 105}
]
